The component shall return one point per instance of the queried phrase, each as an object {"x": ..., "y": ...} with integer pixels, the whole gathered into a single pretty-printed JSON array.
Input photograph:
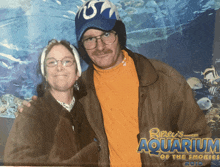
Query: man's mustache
[{"x": 97, "y": 52}]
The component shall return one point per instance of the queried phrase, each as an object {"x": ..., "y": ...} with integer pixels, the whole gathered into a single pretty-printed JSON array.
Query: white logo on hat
[{"x": 105, "y": 5}]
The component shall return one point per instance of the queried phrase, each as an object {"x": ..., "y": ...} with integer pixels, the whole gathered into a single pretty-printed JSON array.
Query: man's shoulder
[
  {"x": 86, "y": 75},
  {"x": 83, "y": 76},
  {"x": 162, "y": 69}
]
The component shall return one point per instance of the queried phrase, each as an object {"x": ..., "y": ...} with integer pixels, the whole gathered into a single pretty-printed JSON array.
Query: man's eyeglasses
[
  {"x": 107, "y": 38},
  {"x": 67, "y": 61}
]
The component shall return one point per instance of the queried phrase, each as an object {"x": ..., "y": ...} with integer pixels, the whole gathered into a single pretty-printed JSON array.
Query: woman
[{"x": 54, "y": 130}]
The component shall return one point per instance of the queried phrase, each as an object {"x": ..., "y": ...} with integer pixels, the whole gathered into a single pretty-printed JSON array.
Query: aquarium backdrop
[{"x": 181, "y": 33}]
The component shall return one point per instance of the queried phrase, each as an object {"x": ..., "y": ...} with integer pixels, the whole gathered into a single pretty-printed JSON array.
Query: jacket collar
[
  {"x": 147, "y": 74},
  {"x": 51, "y": 102},
  {"x": 55, "y": 107}
]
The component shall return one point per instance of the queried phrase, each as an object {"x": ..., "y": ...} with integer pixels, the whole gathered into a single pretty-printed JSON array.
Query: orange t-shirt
[{"x": 117, "y": 91}]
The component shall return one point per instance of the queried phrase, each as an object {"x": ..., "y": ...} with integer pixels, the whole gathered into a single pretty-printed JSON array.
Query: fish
[
  {"x": 211, "y": 74},
  {"x": 204, "y": 103},
  {"x": 194, "y": 83},
  {"x": 213, "y": 90}
]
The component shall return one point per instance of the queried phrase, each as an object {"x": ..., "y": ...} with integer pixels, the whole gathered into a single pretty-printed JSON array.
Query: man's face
[{"x": 104, "y": 56}]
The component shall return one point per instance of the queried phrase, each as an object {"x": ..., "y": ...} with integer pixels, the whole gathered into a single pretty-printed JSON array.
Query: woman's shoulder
[{"x": 36, "y": 109}]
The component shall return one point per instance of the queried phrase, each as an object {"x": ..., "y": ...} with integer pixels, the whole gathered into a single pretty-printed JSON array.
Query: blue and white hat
[{"x": 101, "y": 14}]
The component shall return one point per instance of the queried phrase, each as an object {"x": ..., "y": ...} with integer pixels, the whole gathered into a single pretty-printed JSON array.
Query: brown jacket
[
  {"x": 165, "y": 102},
  {"x": 48, "y": 134}
]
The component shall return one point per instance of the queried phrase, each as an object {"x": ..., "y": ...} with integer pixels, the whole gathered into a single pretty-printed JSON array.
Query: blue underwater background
[{"x": 181, "y": 33}]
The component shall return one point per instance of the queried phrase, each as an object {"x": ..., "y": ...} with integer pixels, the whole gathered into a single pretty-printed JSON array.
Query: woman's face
[{"x": 61, "y": 78}]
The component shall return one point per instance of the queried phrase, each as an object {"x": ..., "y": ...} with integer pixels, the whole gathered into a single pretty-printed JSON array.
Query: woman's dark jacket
[{"x": 48, "y": 134}]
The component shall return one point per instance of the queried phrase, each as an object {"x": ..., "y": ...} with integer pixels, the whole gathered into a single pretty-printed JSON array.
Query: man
[{"x": 127, "y": 94}]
